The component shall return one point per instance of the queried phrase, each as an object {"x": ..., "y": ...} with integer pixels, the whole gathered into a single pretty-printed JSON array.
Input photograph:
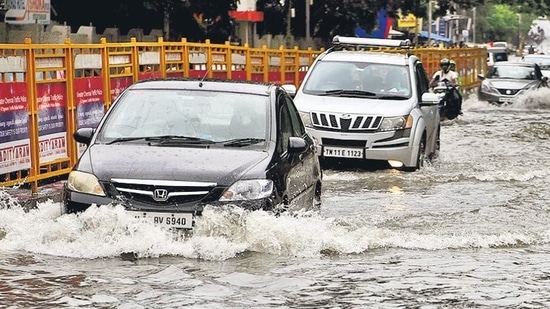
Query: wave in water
[{"x": 222, "y": 233}]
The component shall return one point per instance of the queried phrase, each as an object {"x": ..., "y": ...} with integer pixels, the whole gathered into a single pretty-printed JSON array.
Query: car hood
[
  {"x": 344, "y": 105},
  {"x": 510, "y": 83},
  {"x": 131, "y": 161}
]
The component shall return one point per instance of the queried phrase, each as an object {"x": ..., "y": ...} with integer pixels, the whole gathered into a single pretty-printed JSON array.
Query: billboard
[{"x": 27, "y": 12}]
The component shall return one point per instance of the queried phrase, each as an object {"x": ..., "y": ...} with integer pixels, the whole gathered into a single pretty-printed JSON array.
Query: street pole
[
  {"x": 308, "y": 3},
  {"x": 288, "y": 18},
  {"x": 429, "y": 23},
  {"x": 474, "y": 25},
  {"x": 520, "y": 47}
]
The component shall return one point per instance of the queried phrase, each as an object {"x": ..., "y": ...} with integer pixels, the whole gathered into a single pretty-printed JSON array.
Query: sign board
[{"x": 27, "y": 12}]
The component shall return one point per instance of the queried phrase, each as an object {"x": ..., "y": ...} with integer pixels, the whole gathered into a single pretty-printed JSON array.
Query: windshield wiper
[
  {"x": 240, "y": 142},
  {"x": 178, "y": 139},
  {"x": 125, "y": 139},
  {"x": 351, "y": 92},
  {"x": 392, "y": 96}
]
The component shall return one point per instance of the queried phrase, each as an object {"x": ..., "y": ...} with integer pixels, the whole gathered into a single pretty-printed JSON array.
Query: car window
[
  {"x": 512, "y": 72},
  {"x": 285, "y": 127},
  {"x": 377, "y": 78},
  {"x": 217, "y": 116},
  {"x": 298, "y": 128},
  {"x": 421, "y": 80}
]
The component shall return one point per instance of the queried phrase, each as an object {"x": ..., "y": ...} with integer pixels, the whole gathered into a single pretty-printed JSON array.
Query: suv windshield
[
  {"x": 186, "y": 116},
  {"x": 376, "y": 80}
]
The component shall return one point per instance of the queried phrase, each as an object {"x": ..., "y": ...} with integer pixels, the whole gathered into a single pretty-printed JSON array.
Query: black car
[{"x": 167, "y": 148}]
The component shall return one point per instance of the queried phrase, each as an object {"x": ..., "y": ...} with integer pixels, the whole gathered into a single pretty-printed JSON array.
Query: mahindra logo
[
  {"x": 160, "y": 195},
  {"x": 346, "y": 116}
]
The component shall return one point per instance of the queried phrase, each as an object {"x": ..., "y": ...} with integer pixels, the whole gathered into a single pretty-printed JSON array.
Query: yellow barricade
[{"x": 47, "y": 91}]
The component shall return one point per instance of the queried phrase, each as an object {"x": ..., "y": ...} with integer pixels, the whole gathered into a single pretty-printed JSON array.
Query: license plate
[
  {"x": 507, "y": 100},
  {"x": 338, "y": 152},
  {"x": 167, "y": 219}
]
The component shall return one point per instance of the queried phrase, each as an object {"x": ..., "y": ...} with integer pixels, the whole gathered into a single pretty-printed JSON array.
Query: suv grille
[
  {"x": 161, "y": 192},
  {"x": 345, "y": 122}
]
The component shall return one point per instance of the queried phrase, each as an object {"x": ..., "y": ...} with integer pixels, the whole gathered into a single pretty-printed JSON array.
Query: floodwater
[{"x": 471, "y": 230}]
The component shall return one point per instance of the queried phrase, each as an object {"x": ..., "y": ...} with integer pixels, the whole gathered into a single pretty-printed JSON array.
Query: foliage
[{"x": 197, "y": 20}]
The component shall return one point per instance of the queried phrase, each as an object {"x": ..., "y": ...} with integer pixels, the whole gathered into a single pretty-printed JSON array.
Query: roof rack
[{"x": 369, "y": 42}]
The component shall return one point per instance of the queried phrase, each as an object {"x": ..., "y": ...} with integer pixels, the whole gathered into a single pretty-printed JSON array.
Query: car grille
[
  {"x": 161, "y": 192},
  {"x": 508, "y": 91},
  {"x": 345, "y": 122}
]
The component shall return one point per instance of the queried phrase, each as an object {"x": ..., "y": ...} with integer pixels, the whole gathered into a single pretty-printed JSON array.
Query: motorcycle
[{"x": 450, "y": 104}]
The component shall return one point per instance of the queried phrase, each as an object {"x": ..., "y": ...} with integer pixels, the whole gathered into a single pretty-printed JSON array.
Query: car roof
[
  {"x": 208, "y": 84},
  {"x": 366, "y": 56}
]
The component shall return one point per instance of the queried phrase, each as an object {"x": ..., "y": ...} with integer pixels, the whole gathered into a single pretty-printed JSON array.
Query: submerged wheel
[{"x": 420, "y": 158}]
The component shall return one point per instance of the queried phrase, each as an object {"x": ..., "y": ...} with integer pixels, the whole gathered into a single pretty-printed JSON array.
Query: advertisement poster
[
  {"x": 52, "y": 135},
  {"x": 27, "y": 12},
  {"x": 14, "y": 128},
  {"x": 118, "y": 84},
  {"x": 89, "y": 103}
]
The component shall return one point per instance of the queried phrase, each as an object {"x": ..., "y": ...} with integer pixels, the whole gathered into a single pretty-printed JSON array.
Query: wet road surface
[{"x": 471, "y": 230}]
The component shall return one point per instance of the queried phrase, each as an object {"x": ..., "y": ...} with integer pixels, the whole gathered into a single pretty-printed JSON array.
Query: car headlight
[
  {"x": 306, "y": 119},
  {"x": 486, "y": 87},
  {"x": 396, "y": 123},
  {"x": 84, "y": 183},
  {"x": 245, "y": 190}
]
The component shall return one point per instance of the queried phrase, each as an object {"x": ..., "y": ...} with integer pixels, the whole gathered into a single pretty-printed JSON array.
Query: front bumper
[
  {"x": 391, "y": 145},
  {"x": 75, "y": 202},
  {"x": 497, "y": 98}
]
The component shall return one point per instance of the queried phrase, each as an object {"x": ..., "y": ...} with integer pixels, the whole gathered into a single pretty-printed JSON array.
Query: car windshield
[
  {"x": 512, "y": 72},
  {"x": 186, "y": 116},
  {"x": 359, "y": 79}
]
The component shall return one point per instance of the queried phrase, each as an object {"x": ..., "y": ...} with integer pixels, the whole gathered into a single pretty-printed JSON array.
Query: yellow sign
[{"x": 409, "y": 21}]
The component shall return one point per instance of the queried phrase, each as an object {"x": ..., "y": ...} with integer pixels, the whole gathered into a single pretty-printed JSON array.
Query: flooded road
[{"x": 471, "y": 230}]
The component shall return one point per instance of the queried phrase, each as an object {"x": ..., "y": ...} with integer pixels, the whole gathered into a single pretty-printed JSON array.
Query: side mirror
[
  {"x": 429, "y": 98},
  {"x": 481, "y": 76},
  {"x": 296, "y": 145},
  {"x": 290, "y": 89},
  {"x": 83, "y": 135}
]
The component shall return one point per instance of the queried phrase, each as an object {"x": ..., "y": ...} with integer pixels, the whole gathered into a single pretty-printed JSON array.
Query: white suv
[{"x": 361, "y": 103}]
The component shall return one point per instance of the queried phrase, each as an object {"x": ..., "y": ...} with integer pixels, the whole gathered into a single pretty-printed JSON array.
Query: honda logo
[{"x": 160, "y": 195}]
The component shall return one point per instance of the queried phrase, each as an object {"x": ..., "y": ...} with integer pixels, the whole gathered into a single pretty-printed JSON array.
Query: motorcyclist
[
  {"x": 452, "y": 67},
  {"x": 444, "y": 74},
  {"x": 453, "y": 96}
]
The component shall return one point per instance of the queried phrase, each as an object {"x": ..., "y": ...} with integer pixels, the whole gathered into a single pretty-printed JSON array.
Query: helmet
[
  {"x": 445, "y": 64},
  {"x": 452, "y": 64}
]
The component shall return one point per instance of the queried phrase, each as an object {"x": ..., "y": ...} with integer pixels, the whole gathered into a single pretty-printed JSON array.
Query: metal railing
[{"x": 47, "y": 91}]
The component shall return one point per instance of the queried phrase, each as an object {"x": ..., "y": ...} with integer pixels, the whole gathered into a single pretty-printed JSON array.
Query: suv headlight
[
  {"x": 396, "y": 123},
  {"x": 306, "y": 119},
  {"x": 84, "y": 183},
  {"x": 245, "y": 190}
]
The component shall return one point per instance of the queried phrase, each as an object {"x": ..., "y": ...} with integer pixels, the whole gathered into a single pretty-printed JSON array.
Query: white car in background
[{"x": 542, "y": 60}]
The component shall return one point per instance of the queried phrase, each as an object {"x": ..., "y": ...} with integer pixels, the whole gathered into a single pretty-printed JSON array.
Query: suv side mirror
[
  {"x": 290, "y": 89},
  {"x": 430, "y": 98}
]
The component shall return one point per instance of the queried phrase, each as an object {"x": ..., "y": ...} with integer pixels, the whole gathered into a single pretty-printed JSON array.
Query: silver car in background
[{"x": 507, "y": 81}]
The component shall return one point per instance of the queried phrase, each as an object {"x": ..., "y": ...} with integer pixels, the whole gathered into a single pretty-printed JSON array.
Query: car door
[
  {"x": 430, "y": 113},
  {"x": 292, "y": 166}
]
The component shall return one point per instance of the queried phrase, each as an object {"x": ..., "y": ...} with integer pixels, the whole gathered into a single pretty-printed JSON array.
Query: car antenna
[{"x": 205, "y": 74}]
